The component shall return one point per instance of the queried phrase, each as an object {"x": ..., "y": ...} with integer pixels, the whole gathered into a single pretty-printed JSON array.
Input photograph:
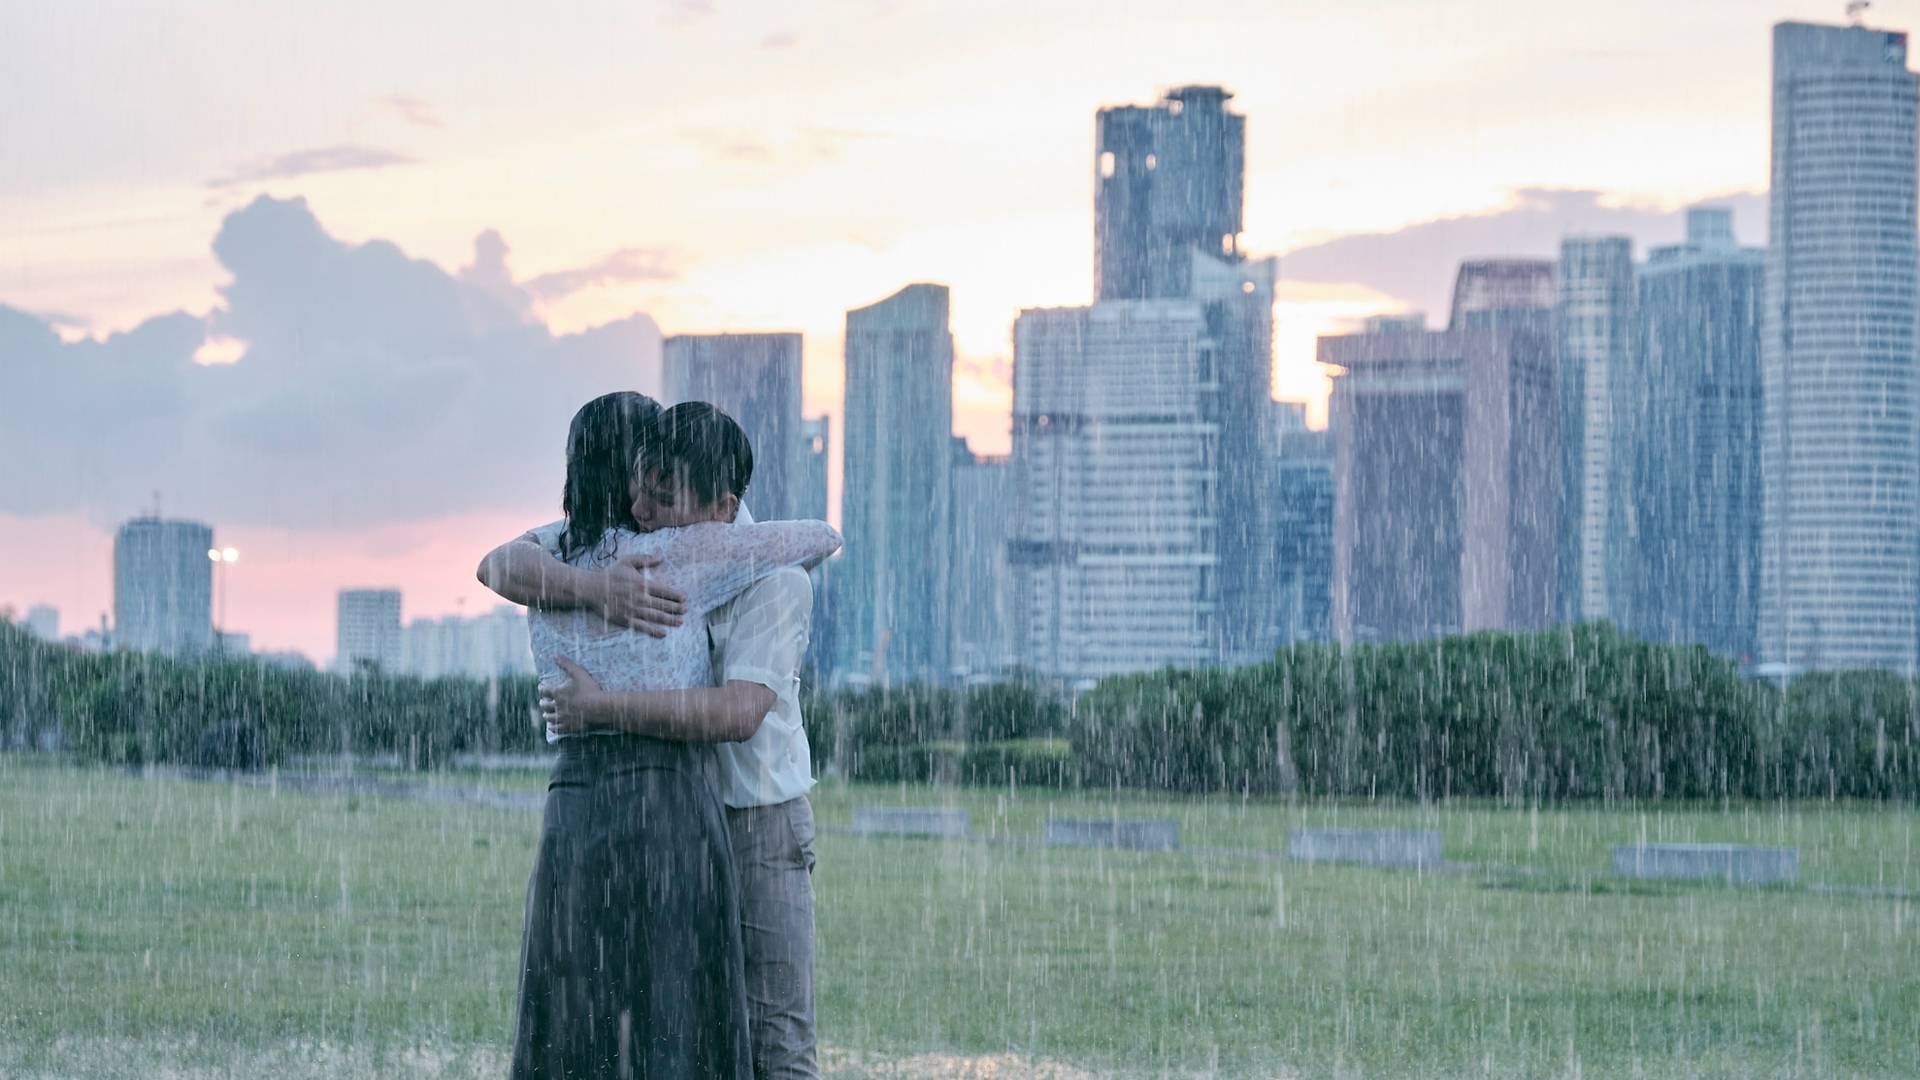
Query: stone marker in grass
[
  {"x": 1139, "y": 834},
  {"x": 1418, "y": 848},
  {"x": 909, "y": 821},
  {"x": 1735, "y": 864}
]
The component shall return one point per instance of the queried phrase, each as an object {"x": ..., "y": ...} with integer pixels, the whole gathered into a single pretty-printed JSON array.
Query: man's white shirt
[{"x": 760, "y": 637}]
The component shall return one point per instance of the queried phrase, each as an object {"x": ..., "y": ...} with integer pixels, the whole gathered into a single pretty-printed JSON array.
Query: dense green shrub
[{"x": 1574, "y": 713}]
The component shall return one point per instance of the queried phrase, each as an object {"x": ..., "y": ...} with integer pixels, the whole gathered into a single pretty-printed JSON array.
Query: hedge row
[
  {"x": 1581, "y": 712},
  {"x": 133, "y": 708},
  {"x": 1577, "y": 713}
]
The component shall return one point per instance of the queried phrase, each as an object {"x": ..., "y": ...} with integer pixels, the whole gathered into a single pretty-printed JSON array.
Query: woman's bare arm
[{"x": 623, "y": 593}]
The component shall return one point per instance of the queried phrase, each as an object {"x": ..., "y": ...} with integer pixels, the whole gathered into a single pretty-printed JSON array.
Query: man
[{"x": 758, "y": 641}]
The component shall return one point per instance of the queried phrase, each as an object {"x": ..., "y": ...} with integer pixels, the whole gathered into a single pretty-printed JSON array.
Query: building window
[{"x": 1107, "y": 163}]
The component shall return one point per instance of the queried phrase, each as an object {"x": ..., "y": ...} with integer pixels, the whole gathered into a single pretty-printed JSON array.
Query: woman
[{"x": 631, "y": 954}]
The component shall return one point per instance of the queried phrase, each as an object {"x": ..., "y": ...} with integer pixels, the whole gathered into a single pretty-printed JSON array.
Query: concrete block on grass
[
  {"x": 1138, "y": 834},
  {"x": 909, "y": 821},
  {"x": 1416, "y": 848},
  {"x": 1735, "y": 864}
]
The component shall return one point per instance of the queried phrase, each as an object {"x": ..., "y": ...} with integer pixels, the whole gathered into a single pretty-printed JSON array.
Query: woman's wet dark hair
[{"x": 605, "y": 440}]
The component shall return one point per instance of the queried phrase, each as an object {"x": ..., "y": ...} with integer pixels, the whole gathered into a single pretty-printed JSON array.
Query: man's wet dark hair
[
  {"x": 606, "y": 437},
  {"x": 708, "y": 448}
]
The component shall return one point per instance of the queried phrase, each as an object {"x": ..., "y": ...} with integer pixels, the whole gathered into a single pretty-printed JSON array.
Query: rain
[{"x": 697, "y": 539}]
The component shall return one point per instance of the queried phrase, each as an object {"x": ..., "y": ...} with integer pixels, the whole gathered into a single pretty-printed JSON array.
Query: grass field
[{"x": 204, "y": 928}]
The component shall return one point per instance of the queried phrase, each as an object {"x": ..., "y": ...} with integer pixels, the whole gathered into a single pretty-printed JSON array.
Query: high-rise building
[
  {"x": 1490, "y": 287},
  {"x": 1124, "y": 554},
  {"x": 1445, "y": 472},
  {"x": 1168, "y": 200},
  {"x": 1685, "y": 496},
  {"x": 982, "y": 504},
  {"x": 1114, "y": 549},
  {"x": 367, "y": 630},
  {"x": 754, "y": 378},
  {"x": 1840, "y": 437},
  {"x": 814, "y": 435},
  {"x": 1168, "y": 181},
  {"x": 891, "y": 594},
  {"x": 163, "y": 586},
  {"x": 1595, "y": 279},
  {"x": 1303, "y": 534},
  {"x": 43, "y": 622}
]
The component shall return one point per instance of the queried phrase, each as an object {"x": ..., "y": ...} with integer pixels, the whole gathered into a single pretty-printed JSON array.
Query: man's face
[{"x": 661, "y": 500}]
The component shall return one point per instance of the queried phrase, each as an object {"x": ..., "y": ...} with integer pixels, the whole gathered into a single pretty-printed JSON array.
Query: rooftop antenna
[{"x": 1857, "y": 10}]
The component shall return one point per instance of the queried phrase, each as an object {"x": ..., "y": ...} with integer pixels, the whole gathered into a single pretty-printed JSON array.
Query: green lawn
[{"x": 239, "y": 931}]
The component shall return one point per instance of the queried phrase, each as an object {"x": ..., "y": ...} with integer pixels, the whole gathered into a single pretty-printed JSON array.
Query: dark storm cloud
[
  {"x": 1416, "y": 264},
  {"x": 374, "y": 387},
  {"x": 300, "y": 163}
]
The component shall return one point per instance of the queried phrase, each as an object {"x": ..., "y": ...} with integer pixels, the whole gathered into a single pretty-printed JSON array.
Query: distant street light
[{"x": 221, "y": 557}]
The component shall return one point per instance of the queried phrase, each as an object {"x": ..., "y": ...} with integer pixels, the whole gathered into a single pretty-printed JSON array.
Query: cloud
[
  {"x": 625, "y": 265},
  {"x": 300, "y": 163},
  {"x": 1416, "y": 264},
  {"x": 374, "y": 388},
  {"x": 815, "y": 143},
  {"x": 411, "y": 109},
  {"x": 784, "y": 39},
  {"x": 62, "y": 320}
]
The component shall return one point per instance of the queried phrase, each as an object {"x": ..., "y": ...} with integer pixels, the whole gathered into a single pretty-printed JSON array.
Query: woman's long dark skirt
[{"x": 631, "y": 961}]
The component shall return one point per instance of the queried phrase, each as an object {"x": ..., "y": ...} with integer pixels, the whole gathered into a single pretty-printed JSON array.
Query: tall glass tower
[
  {"x": 891, "y": 594},
  {"x": 1595, "y": 283},
  {"x": 1840, "y": 438},
  {"x": 1169, "y": 180},
  {"x": 1684, "y": 517}
]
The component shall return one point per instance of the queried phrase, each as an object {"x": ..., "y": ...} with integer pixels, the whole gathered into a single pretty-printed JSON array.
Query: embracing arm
[
  {"x": 713, "y": 563},
  {"x": 623, "y": 593},
  {"x": 730, "y": 713}
]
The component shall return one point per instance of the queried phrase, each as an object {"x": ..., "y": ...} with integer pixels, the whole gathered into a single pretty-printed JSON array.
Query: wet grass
[{"x": 237, "y": 921}]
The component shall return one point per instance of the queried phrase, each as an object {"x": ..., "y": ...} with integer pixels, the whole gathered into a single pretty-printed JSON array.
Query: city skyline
[{"x": 1345, "y": 230}]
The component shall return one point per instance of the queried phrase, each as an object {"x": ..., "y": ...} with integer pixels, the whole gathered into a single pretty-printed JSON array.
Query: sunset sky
[{"x": 538, "y": 175}]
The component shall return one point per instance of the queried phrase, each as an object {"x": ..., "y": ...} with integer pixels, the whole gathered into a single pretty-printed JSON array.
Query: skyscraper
[
  {"x": 890, "y": 599},
  {"x": 1840, "y": 438},
  {"x": 1168, "y": 197},
  {"x": 754, "y": 378},
  {"x": 367, "y": 630},
  {"x": 1168, "y": 180},
  {"x": 814, "y": 445},
  {"x": 1444, "y": 467},
  {"x": 1595, "y": 279},
  {"x": 1685, "y": 497},
  {"x": 982, "y": 503},
  {"x": 1303, "y": 534},
  {"x": 1115, "y": 535},
  {"x": 163, "y": 586}
]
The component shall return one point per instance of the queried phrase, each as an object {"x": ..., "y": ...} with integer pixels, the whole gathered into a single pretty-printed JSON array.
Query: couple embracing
[{"x": 669, "y": 922}]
